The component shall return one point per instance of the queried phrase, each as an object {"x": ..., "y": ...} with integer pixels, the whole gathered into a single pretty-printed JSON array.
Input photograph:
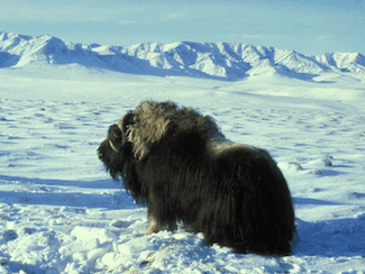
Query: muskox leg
[
  {"x": 154, "y": 226},
  {"x": 159, "y": 215}
]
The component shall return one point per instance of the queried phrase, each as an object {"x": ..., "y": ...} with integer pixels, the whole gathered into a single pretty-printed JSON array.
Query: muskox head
[
  {"x": 136, "y": 133},
  {"x": 115, "y": 150}
]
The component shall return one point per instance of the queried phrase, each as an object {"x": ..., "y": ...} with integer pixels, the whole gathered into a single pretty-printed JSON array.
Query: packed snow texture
[{"x": 61, "y": 213}]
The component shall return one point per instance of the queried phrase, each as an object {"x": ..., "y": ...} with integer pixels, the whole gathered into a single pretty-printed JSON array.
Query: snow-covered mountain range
[{"x": 226, "y": 61}]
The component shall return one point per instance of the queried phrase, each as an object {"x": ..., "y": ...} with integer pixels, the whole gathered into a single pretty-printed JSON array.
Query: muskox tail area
[{"x": 253, "y": 210}]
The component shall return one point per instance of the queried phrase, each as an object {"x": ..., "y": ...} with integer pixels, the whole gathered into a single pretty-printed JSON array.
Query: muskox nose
[{"x": 100, "y": 154}]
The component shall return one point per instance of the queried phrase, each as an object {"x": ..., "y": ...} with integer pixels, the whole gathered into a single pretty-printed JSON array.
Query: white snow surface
[{"x": 60, "y": 212}]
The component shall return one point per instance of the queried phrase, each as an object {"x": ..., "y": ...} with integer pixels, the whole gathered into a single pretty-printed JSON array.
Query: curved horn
[
  {"x": 113, "y": 147},
  {"x": 120, "y": 123},
  {"x": 126, "y": 121}
]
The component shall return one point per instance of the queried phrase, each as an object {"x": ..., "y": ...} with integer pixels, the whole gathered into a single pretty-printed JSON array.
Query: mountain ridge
[{"x": 224, "y": 61}]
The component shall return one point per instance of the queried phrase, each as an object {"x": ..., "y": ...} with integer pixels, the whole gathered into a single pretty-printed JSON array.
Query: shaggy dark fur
[{"x": 178, "y": 163}]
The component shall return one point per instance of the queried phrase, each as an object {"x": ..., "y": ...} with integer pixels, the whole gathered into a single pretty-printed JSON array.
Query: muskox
[{"x": 177, "y": 162}]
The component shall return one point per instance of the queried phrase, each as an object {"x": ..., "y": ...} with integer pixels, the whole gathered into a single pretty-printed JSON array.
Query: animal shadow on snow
[
  {"x": 51, "y": 192},
  {"x": 329, "y": 238}
]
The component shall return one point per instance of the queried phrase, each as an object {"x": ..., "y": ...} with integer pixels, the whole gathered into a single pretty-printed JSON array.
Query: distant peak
[{"x": 223, "y": 60}]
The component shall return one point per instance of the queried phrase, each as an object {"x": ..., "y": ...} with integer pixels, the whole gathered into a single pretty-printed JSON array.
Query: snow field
[{"x": 61, "y": 213}]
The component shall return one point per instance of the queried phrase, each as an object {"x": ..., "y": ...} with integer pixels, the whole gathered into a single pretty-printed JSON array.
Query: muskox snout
[
  {"x": 100, "y": 154},
  {"x": 103, "y": 150}
]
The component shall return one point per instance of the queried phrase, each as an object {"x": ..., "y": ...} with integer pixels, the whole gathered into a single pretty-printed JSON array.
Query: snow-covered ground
[{"x": 61, "y": 213}]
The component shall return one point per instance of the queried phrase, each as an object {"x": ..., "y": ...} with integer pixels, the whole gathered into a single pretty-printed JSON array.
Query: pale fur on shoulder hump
[{"x": 153, "y": 120}]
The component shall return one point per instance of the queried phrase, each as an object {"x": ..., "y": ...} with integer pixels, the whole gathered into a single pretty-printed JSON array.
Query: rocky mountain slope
[{"x": 225, "y": 61}]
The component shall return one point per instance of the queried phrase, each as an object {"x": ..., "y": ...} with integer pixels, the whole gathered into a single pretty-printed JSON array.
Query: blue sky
[{"x": 309, "y": 27}]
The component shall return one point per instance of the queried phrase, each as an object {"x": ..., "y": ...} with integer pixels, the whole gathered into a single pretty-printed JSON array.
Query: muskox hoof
[{"x": 154, "y": 227}]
